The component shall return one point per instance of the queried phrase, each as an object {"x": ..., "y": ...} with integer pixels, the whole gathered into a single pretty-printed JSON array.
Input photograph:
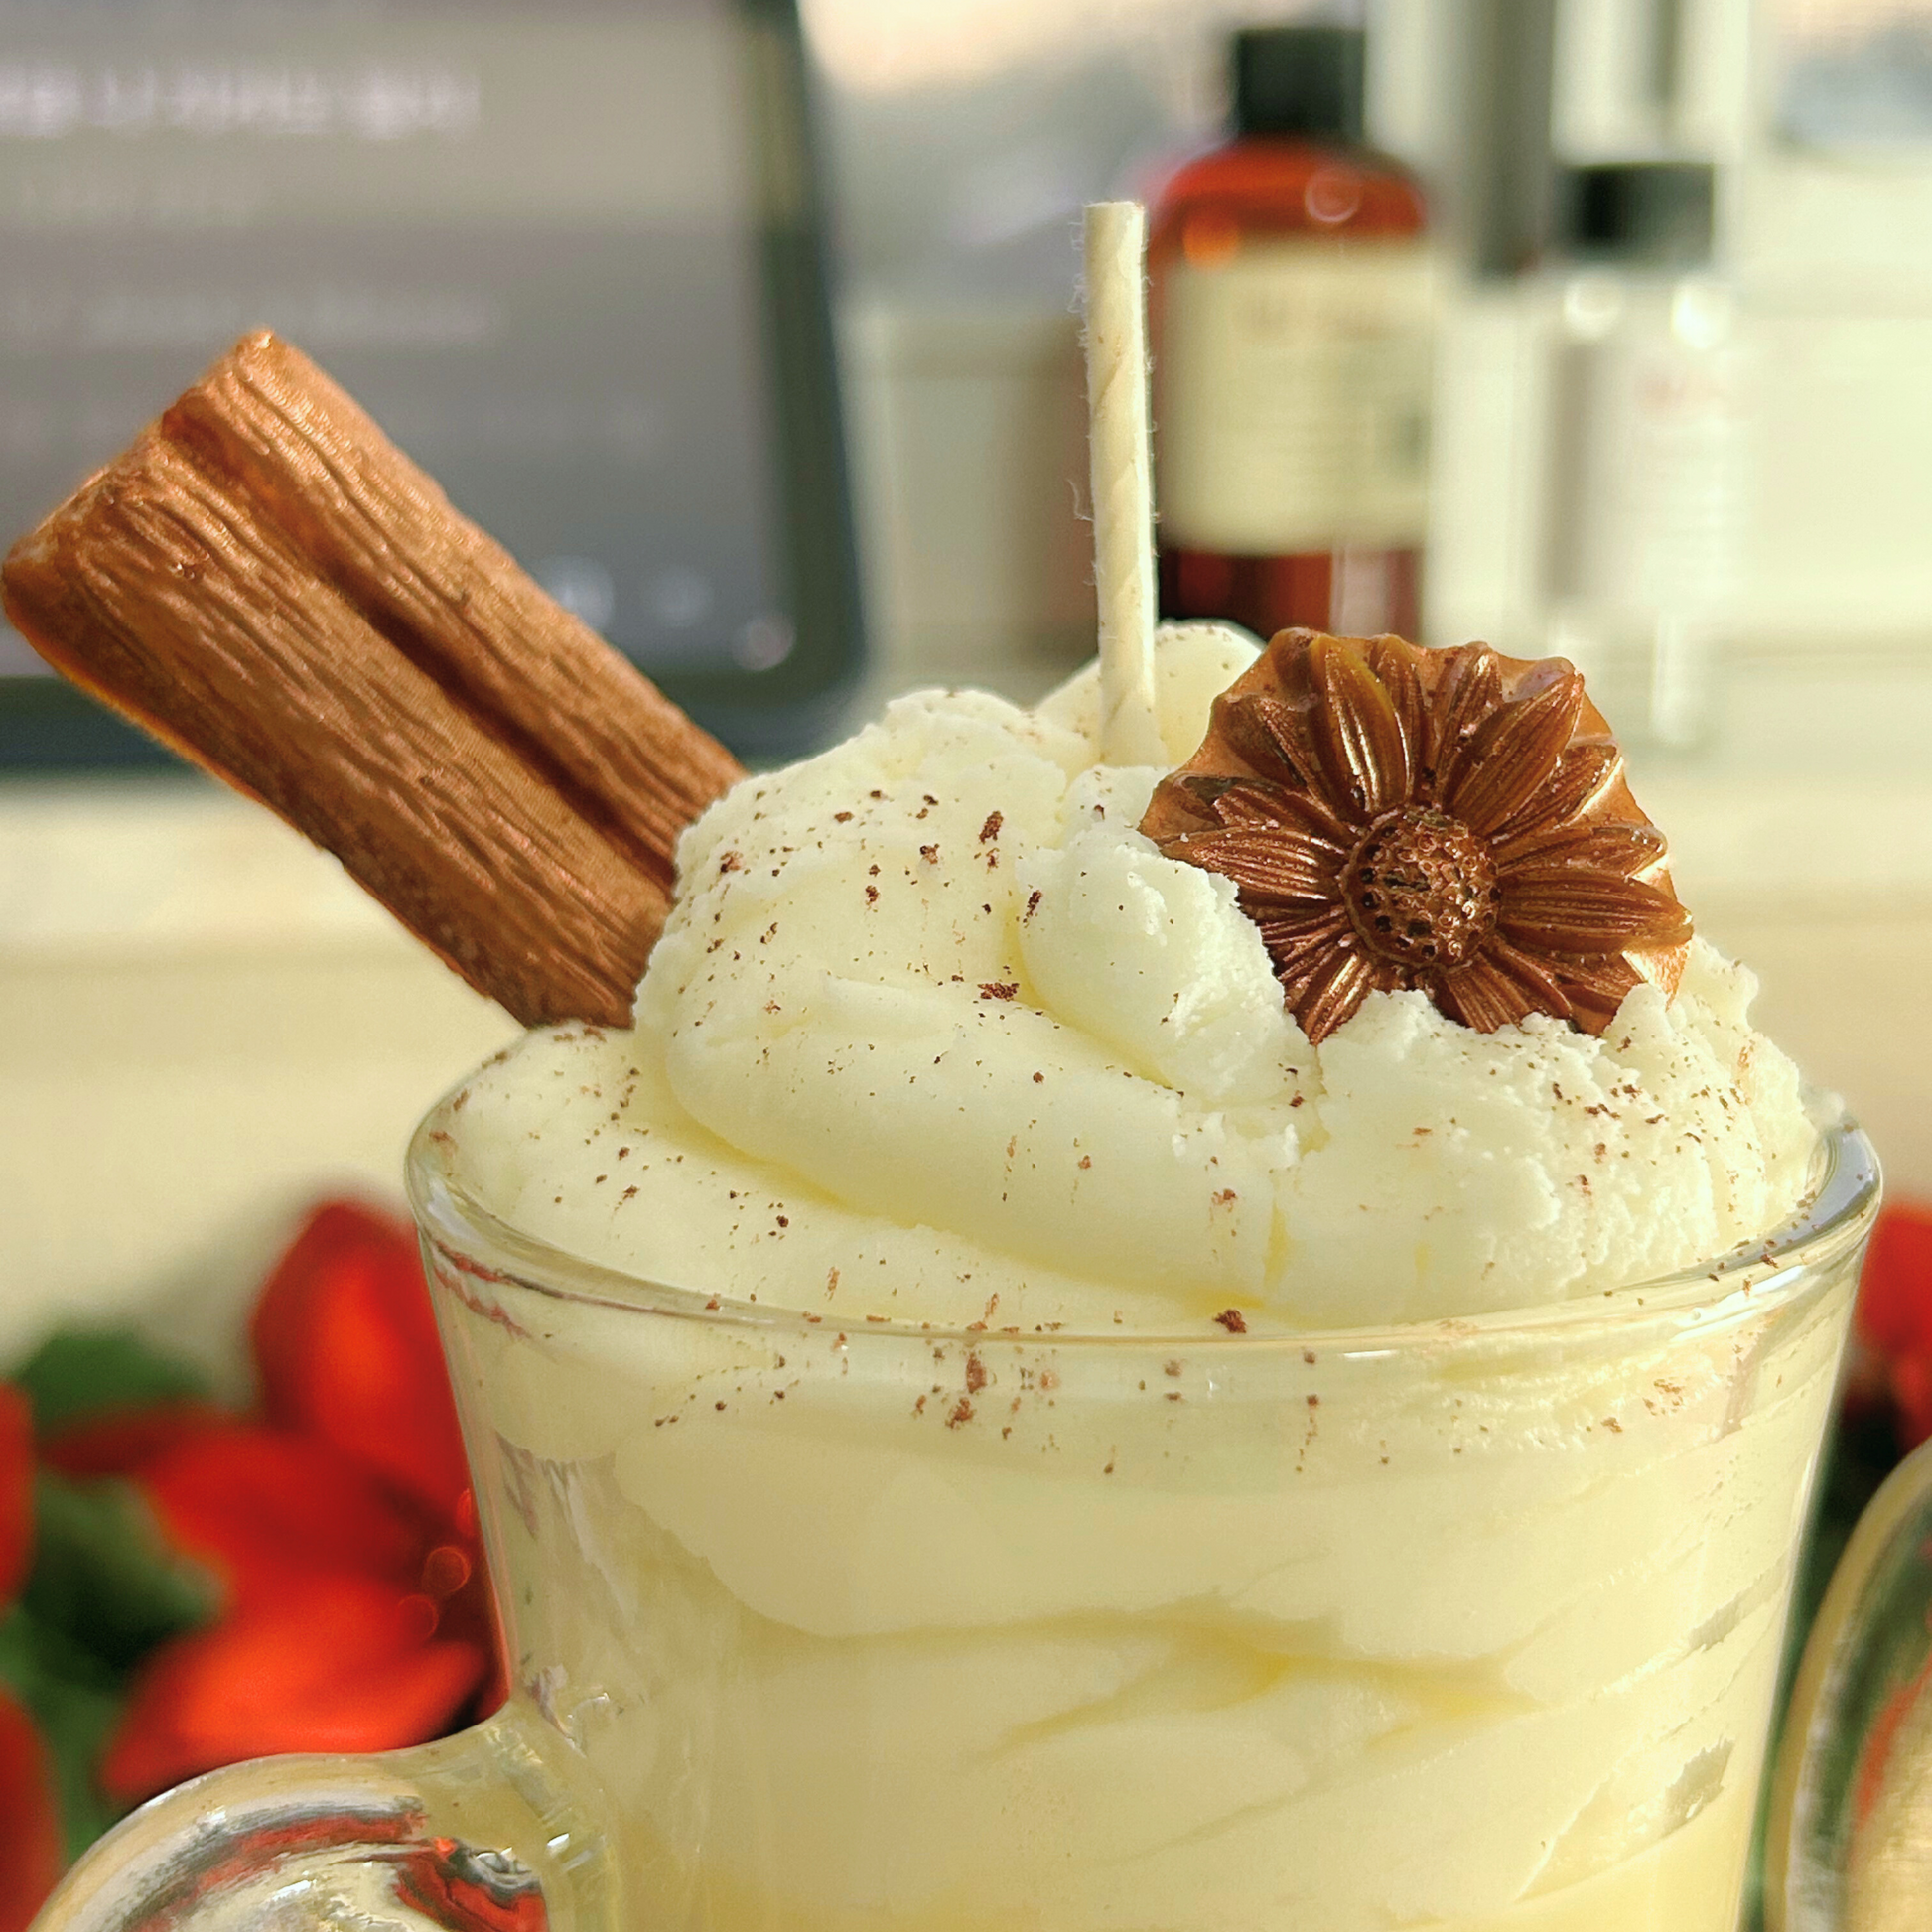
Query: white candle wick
[{"x": 1123, "y": 480}]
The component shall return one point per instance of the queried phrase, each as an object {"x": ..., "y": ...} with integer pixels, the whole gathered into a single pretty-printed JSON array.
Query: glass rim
[{"x": 1834, "y": 1216}]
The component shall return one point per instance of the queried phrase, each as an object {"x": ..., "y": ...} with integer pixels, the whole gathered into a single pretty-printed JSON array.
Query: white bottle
[{"x": 1647, "y": 449}]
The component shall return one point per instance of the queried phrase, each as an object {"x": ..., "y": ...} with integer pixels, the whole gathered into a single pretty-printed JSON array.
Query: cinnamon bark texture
[{"x": 269, "y": 585}]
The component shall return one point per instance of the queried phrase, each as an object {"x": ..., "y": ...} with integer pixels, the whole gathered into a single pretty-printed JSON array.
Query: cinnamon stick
[{"x": 267, "y": 585}]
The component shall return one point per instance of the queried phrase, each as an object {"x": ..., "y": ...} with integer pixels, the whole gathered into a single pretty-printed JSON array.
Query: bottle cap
[
  {"x": 1305, "y": 80},
  {"x": 1653, "y": 212}
]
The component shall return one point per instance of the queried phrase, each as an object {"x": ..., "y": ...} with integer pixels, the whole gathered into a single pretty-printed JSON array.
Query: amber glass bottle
[{"x": 1289, "y": 301}]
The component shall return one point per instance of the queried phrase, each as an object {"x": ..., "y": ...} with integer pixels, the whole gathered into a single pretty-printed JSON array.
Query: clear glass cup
[
  {"x": 1473, "y": 1624},
  {"x": 1849, "y": 1839}
]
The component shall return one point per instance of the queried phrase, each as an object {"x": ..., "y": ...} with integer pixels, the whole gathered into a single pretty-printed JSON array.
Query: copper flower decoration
[{"x": 1449, "y": 820}]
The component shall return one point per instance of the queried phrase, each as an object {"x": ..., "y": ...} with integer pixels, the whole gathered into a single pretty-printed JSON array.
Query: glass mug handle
[
  {"x": 1849, "y": 1838},
  {"x": 495, "y": 1829}
]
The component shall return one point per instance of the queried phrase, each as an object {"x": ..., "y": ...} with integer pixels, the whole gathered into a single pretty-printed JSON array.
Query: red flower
[
  {"x": 30, "y": 1828},
  {"x": 1894, "y": 1326},
  {"x": 339, "y": 1525}
]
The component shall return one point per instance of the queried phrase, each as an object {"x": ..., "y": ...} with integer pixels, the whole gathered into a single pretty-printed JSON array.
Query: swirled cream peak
[{"x": 935, "y": 1034}]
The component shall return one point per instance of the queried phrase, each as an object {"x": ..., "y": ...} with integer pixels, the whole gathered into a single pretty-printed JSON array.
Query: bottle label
[{"x": 1293, "y": 398}]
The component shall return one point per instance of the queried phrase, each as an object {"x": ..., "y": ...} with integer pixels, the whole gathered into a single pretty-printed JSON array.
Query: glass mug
[
  {"x": 1472, "y": 1624},
  {"x": 1849, "y": 1838}
]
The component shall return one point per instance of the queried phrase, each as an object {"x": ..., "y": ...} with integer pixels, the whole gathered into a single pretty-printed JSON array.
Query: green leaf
[
  {"x": 103, "y": 1575},
  {"x": 78, "y": 1372},
  {"x": 76, "y": 1701}
]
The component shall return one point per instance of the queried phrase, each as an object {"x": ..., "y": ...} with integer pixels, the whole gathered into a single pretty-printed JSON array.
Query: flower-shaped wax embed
[{"x": 1450, "y": 820}]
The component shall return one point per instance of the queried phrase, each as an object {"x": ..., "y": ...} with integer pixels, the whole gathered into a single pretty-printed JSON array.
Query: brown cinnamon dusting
[{"x": 267, "y": 585}]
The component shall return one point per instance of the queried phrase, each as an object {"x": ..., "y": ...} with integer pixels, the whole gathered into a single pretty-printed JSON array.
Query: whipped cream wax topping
[{"x": 935, "y": 1034}]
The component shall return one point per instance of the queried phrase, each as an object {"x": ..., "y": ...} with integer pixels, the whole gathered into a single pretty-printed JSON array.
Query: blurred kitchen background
[{"x": 1678, "y": 390}]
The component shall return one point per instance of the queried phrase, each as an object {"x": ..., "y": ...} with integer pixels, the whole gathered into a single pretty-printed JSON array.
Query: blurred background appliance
[{"x": 568, "y": 258}]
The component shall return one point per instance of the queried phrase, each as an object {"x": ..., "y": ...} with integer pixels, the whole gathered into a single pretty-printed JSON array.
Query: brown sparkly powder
[{"x": 1453, "y": 821}]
